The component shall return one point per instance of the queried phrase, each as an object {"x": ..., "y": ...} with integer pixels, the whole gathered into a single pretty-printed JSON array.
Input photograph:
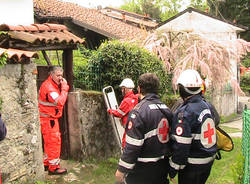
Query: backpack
[{"x": 224, "y": 142}]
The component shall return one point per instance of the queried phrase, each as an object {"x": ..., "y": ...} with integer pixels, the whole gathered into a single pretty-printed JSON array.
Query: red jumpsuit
[
  {"x": 127, "y": 104},
  {"x": 51, "y": 102}
]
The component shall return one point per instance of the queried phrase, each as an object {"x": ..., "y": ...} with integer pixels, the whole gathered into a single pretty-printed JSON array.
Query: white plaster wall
[
  {"x": 16, "y": 12},
  {"x": 201, "y": 24}
]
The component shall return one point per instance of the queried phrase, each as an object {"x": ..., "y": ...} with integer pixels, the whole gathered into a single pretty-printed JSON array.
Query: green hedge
[
  {"x": 246, "y": 61},
  {"x": 113, "y": 61},
  {"x": 245, "y": 83}
]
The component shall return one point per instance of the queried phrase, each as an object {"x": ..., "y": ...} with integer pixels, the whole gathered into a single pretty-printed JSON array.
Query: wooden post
[
  {"x": 46, "y": 57},
  {"x": 68, "y": 67},
  {"x": 64, "y": 127}
]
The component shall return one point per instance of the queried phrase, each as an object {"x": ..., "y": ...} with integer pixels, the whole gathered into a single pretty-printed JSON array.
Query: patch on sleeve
[
  {"x": 208, "y": 132},
  {"x": 54, "y": 95},
  {"x": 180, "y": 115},
  {"x": 130, "y": 125},
  {"x": 179, "y": 130},
  {"x": 163, "y": 131},
  {"x": 180, "y": 121},
  {"x": 133, "y": 116}
]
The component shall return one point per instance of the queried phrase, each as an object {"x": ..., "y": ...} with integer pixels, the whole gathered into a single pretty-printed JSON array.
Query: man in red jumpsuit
[
  {"x": 52, "y": 97},
  {"x": 127, "y": 104}
]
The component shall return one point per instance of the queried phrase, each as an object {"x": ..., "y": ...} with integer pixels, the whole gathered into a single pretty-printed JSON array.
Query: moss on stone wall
[{"x": 1, "y": 102}]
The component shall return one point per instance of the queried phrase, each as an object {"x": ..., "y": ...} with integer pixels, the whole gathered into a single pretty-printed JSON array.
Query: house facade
[
  {"x": 201, "y": 23},
  {"x": 16, "y": 12}
]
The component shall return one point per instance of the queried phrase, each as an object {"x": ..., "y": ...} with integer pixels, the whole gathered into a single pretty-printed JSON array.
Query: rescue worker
[
  {"x": 52, "y": 97},
  {"x": 145, "y": 157},
  {"x": 193, "y": 133},
  {"x": 3, "y": 132},
  {"x": 127, "y": 104}
]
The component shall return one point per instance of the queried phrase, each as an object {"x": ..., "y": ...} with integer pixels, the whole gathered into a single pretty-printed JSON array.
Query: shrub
[
  {"x": 1, "y": 103},
  {"x": 170, "y": 100},
  {"x": 245, "y": 83},
  {"x": 246, "y": 61},
  {"x": 3, "y": 59},
  {"x": 113, "y": 61}
]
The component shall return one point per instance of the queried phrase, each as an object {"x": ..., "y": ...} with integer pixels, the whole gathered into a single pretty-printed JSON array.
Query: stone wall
[
  {"x": 91, "y": 133},
  {"x": 20, "y": 151}
]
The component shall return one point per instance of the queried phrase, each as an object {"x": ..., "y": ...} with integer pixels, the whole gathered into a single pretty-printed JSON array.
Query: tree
[
  {"x": 199, "y": 4},
  {"x": 150, "y": 8},
  {"x": 184, "y": 50},
  {"x": 143, "y": 7},
  {"x": 157, "y": 9},
  {"x": 132, "y": 6},
  {"x": 160, "y": 9},
  {"x": 236, "y": 11}
]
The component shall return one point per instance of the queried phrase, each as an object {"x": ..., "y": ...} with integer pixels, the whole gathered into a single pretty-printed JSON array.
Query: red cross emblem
[
  {"x": 208, "y": 134},
  {"x": 163, "y": 130}
]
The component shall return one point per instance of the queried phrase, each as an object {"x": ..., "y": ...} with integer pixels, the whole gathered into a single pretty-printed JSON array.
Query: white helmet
[
  {"x": 127, "y": 83},
  {"x": 190, "y": 79}
]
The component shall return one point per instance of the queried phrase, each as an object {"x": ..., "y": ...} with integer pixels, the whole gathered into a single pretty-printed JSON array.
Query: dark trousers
[
  {"x": 194, "y": 174},
  {"x": 150, "y": 174}
]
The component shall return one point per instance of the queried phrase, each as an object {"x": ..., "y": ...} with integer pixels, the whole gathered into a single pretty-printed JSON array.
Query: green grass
[
  {"x": 103, "y": 171},
  {"x": 224, "y": 119},
  {"x": 87, "y": 172},
  {"x": 222, "y": 171},
  {"x": 229, "y": 129}
]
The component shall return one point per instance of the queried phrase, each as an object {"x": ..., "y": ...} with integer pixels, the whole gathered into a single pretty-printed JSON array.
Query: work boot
[
  {"x": 58, "y": 171},
  {"x": 46, "y": 167}
]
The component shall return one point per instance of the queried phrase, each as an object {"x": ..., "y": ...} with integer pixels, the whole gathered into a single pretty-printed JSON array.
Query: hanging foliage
[
  {"x": 213, "y": 59},
  {"x": 3, "y": 59}
]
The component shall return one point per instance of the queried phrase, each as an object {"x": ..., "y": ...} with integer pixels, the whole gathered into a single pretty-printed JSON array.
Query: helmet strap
[{"x": 192, "y": 92}]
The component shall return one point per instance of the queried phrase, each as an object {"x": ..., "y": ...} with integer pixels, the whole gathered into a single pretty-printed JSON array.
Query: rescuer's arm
[
  {"x": 182, "y": 138},
  {"x": 133, "y": 146},
  {"x": 61, "y": 99},
  {"x": 121, "y": 111}
]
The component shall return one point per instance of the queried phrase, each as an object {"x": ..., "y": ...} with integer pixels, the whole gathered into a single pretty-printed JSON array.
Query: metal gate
[{"x": 246, "y": 145}]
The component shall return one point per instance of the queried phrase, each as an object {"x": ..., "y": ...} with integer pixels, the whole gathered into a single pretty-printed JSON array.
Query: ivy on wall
[
  {"x": 1, "y": 102},
  {"x": 3, "y": 59}
]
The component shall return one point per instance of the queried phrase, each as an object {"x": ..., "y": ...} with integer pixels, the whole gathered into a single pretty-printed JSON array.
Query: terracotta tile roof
[
  {"x": 129, "y": 17},
  {"x": 18, "y": 55},
  {"x": 41, "y": 33},
  {"x": 91, "y": 18}
]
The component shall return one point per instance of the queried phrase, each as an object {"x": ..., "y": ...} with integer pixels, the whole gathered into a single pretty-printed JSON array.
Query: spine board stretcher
[{"x": 111, "y": 103}]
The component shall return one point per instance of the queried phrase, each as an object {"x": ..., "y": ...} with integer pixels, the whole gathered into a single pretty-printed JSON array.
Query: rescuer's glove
[{"x": 111, "y": 111}]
